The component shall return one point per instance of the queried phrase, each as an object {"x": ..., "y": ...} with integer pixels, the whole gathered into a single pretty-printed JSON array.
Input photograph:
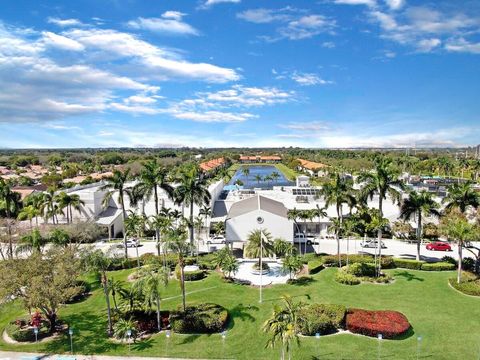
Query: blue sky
[{"x": 213, "y": 73}]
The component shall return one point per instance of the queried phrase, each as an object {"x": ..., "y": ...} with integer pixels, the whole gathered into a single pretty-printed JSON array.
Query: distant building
[
  {"x": 211, "y": 165},
  {"x": 313, "y": 168},
  {"x": 244, "y": 159}
]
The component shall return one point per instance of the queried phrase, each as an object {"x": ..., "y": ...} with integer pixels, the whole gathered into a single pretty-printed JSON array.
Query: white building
[{"x": 258, "y": 212}]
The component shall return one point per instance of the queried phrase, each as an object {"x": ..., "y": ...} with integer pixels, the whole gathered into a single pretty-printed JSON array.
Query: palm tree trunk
[
  {"x": 380, "y": 209},
  {"x": 159, "y": 320},
  {"x": 124, "y": 215},
  {"x": 190, "y": 225},
  {"x": 337, "y": 235},
  {"x": 419, "y": 234},
  {"x": 157, "y": 231},
  {"x": 459, "y": 269},
  {"x": 107, "y": 299},
  {"x": 182, "y": 285}
]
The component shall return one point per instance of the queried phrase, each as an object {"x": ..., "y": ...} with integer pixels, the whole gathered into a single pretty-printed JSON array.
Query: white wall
[{"x": 238, "y": 228}]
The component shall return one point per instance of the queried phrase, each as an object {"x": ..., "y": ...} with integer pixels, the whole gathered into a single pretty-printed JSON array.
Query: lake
[{"x": 262, "y": 171}]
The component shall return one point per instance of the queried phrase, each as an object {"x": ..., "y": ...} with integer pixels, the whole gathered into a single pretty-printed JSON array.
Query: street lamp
[
  {"x": 129, "y": 334},
  {"x": 35, "y": 331},
  {"x": 317, "y": 336},
  {"x": 379, "y": 337},
  {"x": 70, "y": 332},
  {"x": 224, "y": 336},
  {"x": 419, "y": 346}
]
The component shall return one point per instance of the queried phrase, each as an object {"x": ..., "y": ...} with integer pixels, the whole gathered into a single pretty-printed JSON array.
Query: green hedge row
[
  {"x": 422, "y": 265},
  {"x": 321, "y": 318},
  {"x": 190, "y": 275},
  {"x": 199, "y": 319},
  {"x": 315, "y": 266}
]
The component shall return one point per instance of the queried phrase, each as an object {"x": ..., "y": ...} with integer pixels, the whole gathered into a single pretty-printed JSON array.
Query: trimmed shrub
[
  {"x": 449, "y": 260},
  {"x": 315, "y": 266},
  {"x": 321, "y": 318},
  {"x": 25, "y": 333},
  {"x": 361, "y": 269},
  {"x": 409, "y": 264},
  {"x": 390, "y": 324},
  {"x": 81, "y": 290},
  {"x": 345, "y": 278},
  {"x": 332, "y": 260},
  {"x": 207, "y": 262},
  {"x": 438, "y": 266},
  {"x": 469, "y": 284},
  {"x": 190, "y": 275},
  {"x": 202, "y": 318},
  {"x": 388, "y": 262}
]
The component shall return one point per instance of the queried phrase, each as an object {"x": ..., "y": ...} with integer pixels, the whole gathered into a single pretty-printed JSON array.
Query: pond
[{"x": 260, "y": 176}]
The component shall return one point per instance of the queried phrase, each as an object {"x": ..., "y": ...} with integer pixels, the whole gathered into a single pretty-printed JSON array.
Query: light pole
[
  {"x": 129, "y": 334},
  {"x": 224, "y": 336},
  {"x": 261, "y": 265},
  {"x": 419, "y": 346},
  {"x": 35, "y": 331},
  {"x": 317, "y": 336},
  {"x": 379, "y": 337},
  {"x": 70, "y": 332},
  {"x": 167, "y": 334}
]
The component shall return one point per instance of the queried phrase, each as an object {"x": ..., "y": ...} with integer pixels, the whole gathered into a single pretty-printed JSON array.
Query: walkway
[{"x": 5, "y": 355}]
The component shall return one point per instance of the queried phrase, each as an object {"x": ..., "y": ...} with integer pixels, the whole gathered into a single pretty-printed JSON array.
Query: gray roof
[
  {"x": 108, "y": 216},
  {"x": 258, "y": 203}
]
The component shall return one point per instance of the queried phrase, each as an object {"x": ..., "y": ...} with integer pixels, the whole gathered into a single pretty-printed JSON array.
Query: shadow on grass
[
  {"x": 91, "y": 337},
  {"x": 242, "y": 312},
  {"x": 410, "y": 332},
  {"x": 143, "y": 345},
  {"x": 307, "y": 296},
  {"x": 408, "y": 276},
  {"x": 189, "y": 339},
  {"x": 302, "y": 281}
]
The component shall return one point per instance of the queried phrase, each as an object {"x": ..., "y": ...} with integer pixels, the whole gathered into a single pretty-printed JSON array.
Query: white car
[
  {"x": 218, "y": 239},
  {"x": 131, "y": 243},
  {"x": 372, "y": 244},
  {"x": 301, "y": 238}
]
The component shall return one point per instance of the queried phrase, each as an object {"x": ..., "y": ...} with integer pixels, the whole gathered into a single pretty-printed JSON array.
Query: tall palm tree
[
  {"x": 154, "y": 177},
  {"x": 275, "y": 176},
  {"x": 338, "y": 191},
  {"x": 206, "y": 212},
  {"x": 382, "y": 181},
  {"x": 35, "y": 200},
  {"x": 193, "y": 190},
  {"x": 28, "y": 213},
  {"x": 118, "y": 182},
  {"x": 178, "y": 245},
  {"x": 256, "y": 246},
  {"x": 283, "y": 326},
  {"x": 461, "y": 196},
  {"x": 67, "y": 201},
  {"x": 135, "y": 226},
  {"x": 10, "y": 203},
  {"x": 246, "y": 171},
  {"x": 258, "y": 178},
  {"x": 305, "y": 215},
  {"x": 419, "y": 204},
  {"x": 150, "y": 283},
  {"x": 377, "y": 223},
  {"x": 48, "y": 205}
]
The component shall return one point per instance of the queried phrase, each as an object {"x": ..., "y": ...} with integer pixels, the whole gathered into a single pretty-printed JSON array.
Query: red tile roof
[
  {"x": 311, "y": 165},
  {"x": 212, "y": 164}
]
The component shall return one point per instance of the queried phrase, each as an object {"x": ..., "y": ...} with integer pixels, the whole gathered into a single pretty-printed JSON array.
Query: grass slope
[{"x": 446, "y": 320}]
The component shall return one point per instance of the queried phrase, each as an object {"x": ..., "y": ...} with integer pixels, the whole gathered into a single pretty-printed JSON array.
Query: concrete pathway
[{"x": 6, "y": 355}]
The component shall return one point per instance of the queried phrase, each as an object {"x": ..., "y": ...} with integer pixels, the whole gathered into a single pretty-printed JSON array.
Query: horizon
[{"x": 334, "y": 74}]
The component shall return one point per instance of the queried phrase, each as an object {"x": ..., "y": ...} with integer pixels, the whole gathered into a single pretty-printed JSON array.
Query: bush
[
  {"x": 315, "y": 266},
  {"x": 469, "y": 284},
  {"x": 201, "y": 318},
  {"x": 345, "y": 278},
  {"x": 449, "y": 259},
  {"x": 388, "y": 262},
  {"x": 409, "y": 264},
  {"x": 361, "y": 269},
  {"x": 23, "y": 333},
  {"x": 309, "y": 257},
  {"x": 190, "y": 275},
  {"x": 438, "y": 266},
  {"x": 207, "y": 262},
  {"x": 81, "y": 290},
  {"x": 332, "y": 260},
  {"x": 321, "y": 318},
  {"x": 468, "y": 264},
  {"x": 390, "y": 324}
]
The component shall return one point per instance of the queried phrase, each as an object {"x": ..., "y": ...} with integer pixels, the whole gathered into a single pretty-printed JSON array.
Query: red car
[{"x": 439, "y": 246}]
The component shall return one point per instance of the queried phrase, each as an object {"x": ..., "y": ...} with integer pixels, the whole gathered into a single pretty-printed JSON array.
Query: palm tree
[
  {"x": 337, "y": 192},
  {"x": 59, "y": 237},
  {"x": 275, "y": 176},
  {"x": 32, "y": 242},
  {"x": 35, "y": 200},
  {"x": 10, "y": 203},
  {"x": 48, "y": 205},
  {"x": 118, "y": 182},
  {"x": 377, "y": 223},
  {"x": 282, "y": 248},
  {"x": 292, "y": 264},
  {"x": 418, "y": 204},
  {"x": 134, "y": 226},
  {"x": 267, "y": 179},
  {"x": 192, "y": 190},
  {"x": 294, "y": 215},
  {"x": 456, "y": 227},
  {"x": 66, "y": 201},
  {"x": 205, "y": 211},
  {"x": 150, "y": 282},
  {"x": 153, "y": 177},
  {"x": 246, "y": 172},
  {"x": 258, "y": 178},
  {"x": 28, "y": 213},
  {"x": 461, "y": 196},
  {"x": 304, "y": 215},
  {"x": 178, "y": 245},
  {"x": 283, "y": 326},
  {"x": 115, "y": 287},
  {"x": 257, "y": 247},
  {"x": 163, "y": 222},
  {"x": 383, "y": 181},
  {"x": 225, "y": 260}
]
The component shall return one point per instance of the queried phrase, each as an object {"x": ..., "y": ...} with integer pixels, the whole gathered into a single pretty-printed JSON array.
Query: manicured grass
[{"x": 446, "y": 320}]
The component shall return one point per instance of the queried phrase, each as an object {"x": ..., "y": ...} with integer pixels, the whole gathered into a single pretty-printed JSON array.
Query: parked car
[
  {"x": 218, "y": 239},
  {"x": 301, "y": 238},
  {"x": 131, "y": 243},
  {"x": 439, "y": 246},
  {"x": 372, "y": 243}
]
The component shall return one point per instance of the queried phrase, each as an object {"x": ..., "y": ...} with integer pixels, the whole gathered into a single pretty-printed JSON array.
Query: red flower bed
[{"x": 371, "y": 323}]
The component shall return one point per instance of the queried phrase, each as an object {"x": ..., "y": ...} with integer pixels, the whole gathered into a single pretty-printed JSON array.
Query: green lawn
[{"x": 447, "y": 320}]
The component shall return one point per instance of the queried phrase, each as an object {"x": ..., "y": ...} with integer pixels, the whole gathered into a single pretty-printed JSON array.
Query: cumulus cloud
[
  {"x": 64, "y": 22},
  {"x": 308, "y": 79},
  {"x": 61, "y": 42},
  {"x": 395, "y": 4},
  {"x": 170, "y": 22},
  {"x": 356, "y": 2},
  {"x": 293, "y": 24},
  {"x": 209, "y": 3},
  {"x": 462, "y": 45}
]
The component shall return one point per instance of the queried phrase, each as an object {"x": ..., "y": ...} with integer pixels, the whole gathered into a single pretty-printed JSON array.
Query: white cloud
[
  {"x": 170, "y": 22},
  {"x": 328, "y": 44},
  {"x": 212, "y": 116},
  {"x": 263, "y": 16},
  {"x": 307, "y": 26},
  {"x": 64, "y": 22},
  {"x": 427, "y": 45},
  {"x": 209, "y": 3},
  {"x": 157, "y": 63},
  {"x": 356, "y": 2},
  {"x": 309, "y": 79},
  {"x": 462, "y": 45},
  {"x": 314, "y": 126},
  {"x": 395, "y": 4},
  {"x": 61, "y": 42}
]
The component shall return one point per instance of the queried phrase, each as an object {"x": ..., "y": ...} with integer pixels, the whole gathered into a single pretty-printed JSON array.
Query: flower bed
[
  {"x": 390, "y": 324},
  {"x": 199, "y": 319},
  {"x": 469, "y": 284},
  {"x": 357, "y": 273}
]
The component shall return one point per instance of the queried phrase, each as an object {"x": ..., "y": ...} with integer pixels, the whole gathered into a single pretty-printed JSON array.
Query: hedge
[
  {"x": 25, "y": 334},
  {"x": 321, "y": 318},
  {"x": 409, "y": 264},
  {"x": 202, "y": 318},
  {"x": 315, "y": 266},
  {"x": 332, "y": 260},
  {"x": 390, "y": 324},
  {"x": 361, "y": 269},
  {"x": 347, "y": 279},
  {"x": 469, "y": 284},
  {"x": 190, "y": 275},
  {"x": 438, "y": 266}
]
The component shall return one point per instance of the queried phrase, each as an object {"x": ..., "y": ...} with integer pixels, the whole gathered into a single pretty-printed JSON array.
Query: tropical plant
[
  {"x": 32, "y": 242},
  {"x": 59, "y": 237},
  {"x": 225, "y": 260},
  {"x": 461, "y": 196},
  {"x": 28, "y": 213},
  {"x": 292, "y": 264},
  {"x": 419, "y": 204},
  {"x": 123, "y": 327},
  {"x": 206, "y": 212},
  {"x": 67, "y": 201},
  {"x": 259, "y": 244},
  {"x": 258, "y": 178},
  {"x": 282, "y": 247},
  {"x": 134, "y": 226},
  {"x": 118, "y": 182},
  {"x": 10, "y": 204},
  {"x": 283, "y": 326}
]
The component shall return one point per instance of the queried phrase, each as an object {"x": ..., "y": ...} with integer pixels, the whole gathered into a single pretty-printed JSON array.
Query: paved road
[
  {"x": 5, "y": 355},
  {"x": 394, "y": 247}
]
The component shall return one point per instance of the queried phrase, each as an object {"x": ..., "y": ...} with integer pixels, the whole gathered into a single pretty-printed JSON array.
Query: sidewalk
[{"x": 6, "y": 355}]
